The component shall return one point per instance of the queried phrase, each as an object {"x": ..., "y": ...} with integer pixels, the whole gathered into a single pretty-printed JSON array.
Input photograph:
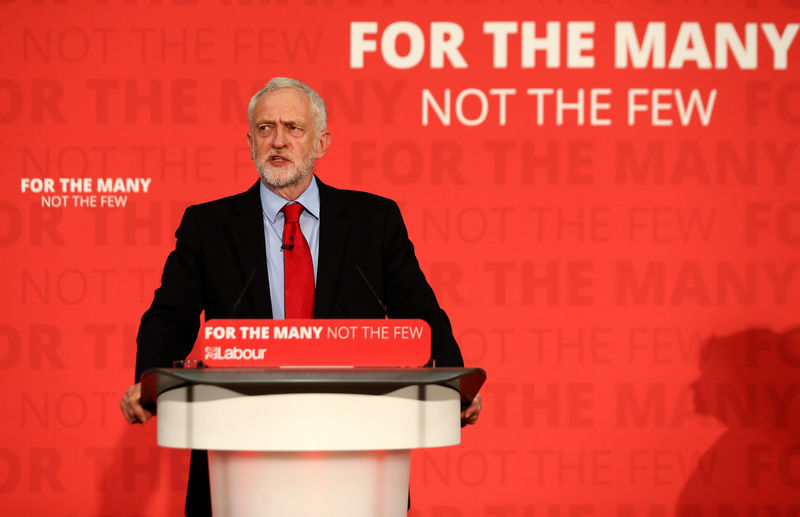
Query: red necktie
[{"x": 298, "y": 270}]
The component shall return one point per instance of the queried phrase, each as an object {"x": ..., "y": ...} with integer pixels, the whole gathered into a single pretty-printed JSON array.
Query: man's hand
[
  {"x": 131, "y": 405},
  {"x": 470, "y": 415}
]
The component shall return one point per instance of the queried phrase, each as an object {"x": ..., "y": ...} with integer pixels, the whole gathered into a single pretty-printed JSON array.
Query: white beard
[{"x": 287, "y": 175}]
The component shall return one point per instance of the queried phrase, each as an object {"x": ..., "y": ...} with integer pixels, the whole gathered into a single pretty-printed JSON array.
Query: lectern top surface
[{"x": 157, "y": 380}]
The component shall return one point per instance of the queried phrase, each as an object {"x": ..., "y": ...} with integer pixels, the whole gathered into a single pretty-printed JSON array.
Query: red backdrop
[{"x": 588, "y": 238}]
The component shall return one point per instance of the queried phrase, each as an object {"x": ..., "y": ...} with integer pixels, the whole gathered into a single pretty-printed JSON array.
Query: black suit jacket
[{"x": 221, "y": 243}]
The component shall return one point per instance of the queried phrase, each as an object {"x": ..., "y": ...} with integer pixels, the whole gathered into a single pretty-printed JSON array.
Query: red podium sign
[{"x": 311, "y": 343}]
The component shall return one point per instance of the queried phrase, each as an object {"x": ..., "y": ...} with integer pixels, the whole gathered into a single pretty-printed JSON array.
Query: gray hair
[{"x": 318, "y": 110}]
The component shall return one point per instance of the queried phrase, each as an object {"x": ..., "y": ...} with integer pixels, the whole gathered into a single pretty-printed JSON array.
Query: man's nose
[{"x": 279, "y": 140}]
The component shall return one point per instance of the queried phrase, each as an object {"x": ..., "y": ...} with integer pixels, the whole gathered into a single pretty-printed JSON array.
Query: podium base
[{"x": 320, "y": 483}]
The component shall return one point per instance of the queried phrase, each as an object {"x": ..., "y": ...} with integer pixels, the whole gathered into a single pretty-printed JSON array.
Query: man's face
[{"x": 283, "y": 140}]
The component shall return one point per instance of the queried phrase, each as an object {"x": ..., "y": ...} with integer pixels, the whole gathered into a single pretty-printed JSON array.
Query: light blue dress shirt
[{"x": 274, "y": 219}]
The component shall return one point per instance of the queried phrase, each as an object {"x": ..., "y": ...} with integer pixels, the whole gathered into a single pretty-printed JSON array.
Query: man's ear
[
  {"x": 324, "y": 143},
  {"x": 250, "y": 145}
]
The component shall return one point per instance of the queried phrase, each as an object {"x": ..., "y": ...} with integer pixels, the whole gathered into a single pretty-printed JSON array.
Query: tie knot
[{"x": 292, "y": 212}]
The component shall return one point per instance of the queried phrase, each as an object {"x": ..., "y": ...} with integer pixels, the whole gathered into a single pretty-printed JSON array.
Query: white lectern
[{"x": 322, "y": 442}]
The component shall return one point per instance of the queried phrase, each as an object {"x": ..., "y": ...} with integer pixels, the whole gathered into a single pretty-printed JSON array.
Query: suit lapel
[
  {"x": 333, "y": 232},
  {"x": 247, "y": 232}
]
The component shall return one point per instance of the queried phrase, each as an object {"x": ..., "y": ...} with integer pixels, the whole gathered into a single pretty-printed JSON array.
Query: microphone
[
  {"x": 372, "y": 290},
  {"x": 241, "y": 294}
]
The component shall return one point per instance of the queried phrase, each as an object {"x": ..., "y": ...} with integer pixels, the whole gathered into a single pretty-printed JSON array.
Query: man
[{"x": 314, "y": 272}]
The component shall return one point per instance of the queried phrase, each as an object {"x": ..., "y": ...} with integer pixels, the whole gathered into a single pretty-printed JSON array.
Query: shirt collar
[{"x": 271, "y": 203}]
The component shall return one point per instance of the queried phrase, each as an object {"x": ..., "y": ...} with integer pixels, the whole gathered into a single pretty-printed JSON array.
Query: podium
[{"x": 326, "y": 442}]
